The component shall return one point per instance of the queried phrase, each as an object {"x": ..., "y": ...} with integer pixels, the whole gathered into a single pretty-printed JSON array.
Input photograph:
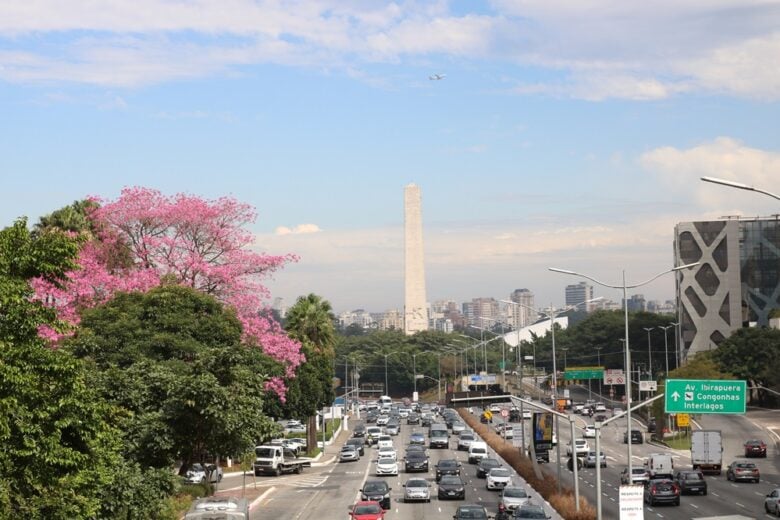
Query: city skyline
[{"x": 561, "y": 135}]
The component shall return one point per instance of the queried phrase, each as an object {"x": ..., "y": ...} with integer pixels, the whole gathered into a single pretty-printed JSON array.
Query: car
[
  {"x": 199, "y": 473},
  {"x": 359, "y": 431},
  {"x": 498, "y": 478},
  {"x": 636, "y": 437},
  {"x": 426, "y": 419},
  {"x": 651, "y": 425},
  {"x": 600, "y": 418},
  {"x": 386, "y": 466},
  {"x": 527, "y": 415},
  {"x": 372, "y": 435},
  {"x": 577, "y": 407},
  {"x": 495, "y": 408},
  {"x": 418, "y": 448},
  {"x": 581, "y": 447},
  {"x": 531, "y": 511},
  {"x": 464, "y": 441},
  {"x": 458, "y": 427},
  {"x": 392, "y": 428},
  {"x": 288, "y": 444},
  {"x": 228, "y": 506},
  {"x": 691, "y": 482},
  {"x": 368, "y": 510},
  {"x": 417, "y": 489},
  {"x": 413, "y": 418},
  {"x": 294, "y": 426},
  {"x": 385, "y": 441},
  {"x": 447, "y": 467},
  {"x": 451, "y": 486},
  {"x": 772, "y": 502},
  {"x": 477, "y": 451},
  {"x": 382, "y": 420},
  {"x": 508, "y": 433},
  {"x": 387, "y": 451},
  {"x": 349, "y": 453},
  {"x": 659, "y": 491},
  {"x": 359, "y": 445},
  {"x": 512, "y": 497},
  {"x": 600, "y": 407},
  {"x": 376, "y": 490},
  {"x": 590, "y": 459},
  {"x": 371, "y": 417},
  {"x": 416, "y": 461},
  {"x": 471, "y": 512},
  {"x": 743, "y": 470},
  {"x": 755, "y": 448},
  {"x": 485, "y": 465},
  {"x": 639, "y": 475},
  {"x": 589, "y": 432},
  {"x": 417, "y": 438}
]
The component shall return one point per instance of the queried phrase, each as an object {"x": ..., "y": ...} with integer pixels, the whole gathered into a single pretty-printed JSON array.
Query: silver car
[
  {"x": 513, "y": 497},
  {"x": 590, "y": 459},
  {"x": 464, "y": 441},
  {"x": 417, "y": 489},
  {"x": 200, "y": 472},
  {"x": 458, "y": 427},
  {"x": 349, "y": 453}
]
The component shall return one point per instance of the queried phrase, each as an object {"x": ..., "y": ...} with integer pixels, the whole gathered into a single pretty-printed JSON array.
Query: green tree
[
  {"x": 311, "y": 321},
  {"x": 752, "y": 354},
  {"x": 173, "y": 361}
]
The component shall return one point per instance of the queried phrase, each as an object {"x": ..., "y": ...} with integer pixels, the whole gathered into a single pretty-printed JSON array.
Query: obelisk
[{"x": 415, "y": 312}]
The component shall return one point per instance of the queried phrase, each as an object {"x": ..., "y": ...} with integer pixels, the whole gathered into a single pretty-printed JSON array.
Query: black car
[
  {"x": 485, "y": 465},
  {"x": 755, "y": 448},
  {"x": 452, "y": 486},
  {"x": 371, "y": 417},
  {"x": 691, "y": 482},
  {"x": 601, "y": 418},
  {"x": 412, "y": 418},
  {"x": 662, "y": 491},
  {"x": 447, "y": 467},
  {"x": 376, "y": 490},
  {"x": 359, "y": 431},
  {"x": 416, "y": 461},
  {"x": 358, "y": 443},
  {"x": 636, "y": 437},
  {"x": 531, "y": 511},
  {"x": 471, "y": 512},
  {"x": 651, "y": 426}
]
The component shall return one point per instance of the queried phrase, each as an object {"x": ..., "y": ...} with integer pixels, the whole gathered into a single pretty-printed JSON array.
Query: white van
[
  {"x": 660, "y": 465},
  {"x": 477, "y": 451}
]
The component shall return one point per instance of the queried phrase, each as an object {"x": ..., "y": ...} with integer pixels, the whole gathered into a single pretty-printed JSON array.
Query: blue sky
[{"x": 562, "y": 135}]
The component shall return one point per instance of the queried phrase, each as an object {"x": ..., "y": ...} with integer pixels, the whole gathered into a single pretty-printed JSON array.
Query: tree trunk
[{"x": 311, "y": 433}]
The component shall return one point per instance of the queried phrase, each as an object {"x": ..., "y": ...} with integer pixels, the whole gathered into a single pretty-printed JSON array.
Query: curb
[{"x": 256, "y": 502}]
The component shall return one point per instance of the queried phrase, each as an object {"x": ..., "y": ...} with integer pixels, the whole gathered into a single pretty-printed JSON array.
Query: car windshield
[
  {"x": 489, "y": 463},
  {"x": 746, "y": 465},
  {"x": 692, "y": 476},
  {"x": 265, "y": 453},
  {"x": 515, "y": 493},
  {"x": 471, "y": 513},
  {"x": 500, "y": 472},
  {"x": 638, "y": 471},
  {"x": 417, "y": 483},
  {"x": 531, "y": 512},
  {"x": 385, "y": 460},
  {"x": 450, "y": 479},
  {"x": 375, "y": 487},
  {"x": 415, "y": 455},
  {"x": 448, "y": 463},
  {"x": 367, "y": 509},
  {"x": 466, "y": 437},
  {"x": 348, "y": 447},
  {"x": 197, "y": 467}
]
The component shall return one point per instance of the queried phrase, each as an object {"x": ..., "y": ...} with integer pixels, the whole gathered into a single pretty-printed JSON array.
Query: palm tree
[{"x": 311, "y": 321}]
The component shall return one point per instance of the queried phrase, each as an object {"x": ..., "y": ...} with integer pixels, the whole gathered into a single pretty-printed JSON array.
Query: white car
[
  {"x": 581, "y": 447},
  {"x": 513, "y": 497},
  {"x": 507, "y": 432},
  {"x": 498, "y": 478},
  {"x": 600, "y": 407},
  {"x": 589, "y": 432},
  {"x": 527, "y": 415},
  {"x": 388, "y": 452},
  {"x": 495, "y": 408},
  {"x": 198, "y": 473},
  {"x": 382, "y": 420},
  {"x": 294, "y": 426},
  {"x": 385, "y": 441},
  {"x": 386, "y": 466}
]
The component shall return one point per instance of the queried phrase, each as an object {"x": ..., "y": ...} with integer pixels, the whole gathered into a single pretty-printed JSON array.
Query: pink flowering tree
[{"x": 145, "y": 237}]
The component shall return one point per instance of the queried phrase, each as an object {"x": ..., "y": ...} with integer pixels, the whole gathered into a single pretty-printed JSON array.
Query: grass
[
  {"x": 681, "y": 441},
  {"x": 547, "y": 485}
]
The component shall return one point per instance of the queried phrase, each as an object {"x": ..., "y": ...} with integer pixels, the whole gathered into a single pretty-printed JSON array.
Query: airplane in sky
[{"x": 437, "y": 77}]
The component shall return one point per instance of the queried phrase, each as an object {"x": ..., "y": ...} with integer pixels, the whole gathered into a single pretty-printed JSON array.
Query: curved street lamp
[
  {"x": 739, "y": 186},
  {"x": 624, "y": 286}
]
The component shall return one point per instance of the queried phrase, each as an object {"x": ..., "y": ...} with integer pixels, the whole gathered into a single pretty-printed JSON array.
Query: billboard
[{"x": 543, "y": 431}]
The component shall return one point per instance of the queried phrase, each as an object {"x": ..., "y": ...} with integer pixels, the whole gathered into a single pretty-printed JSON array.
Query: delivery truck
[{"x": 707, "y": 451}]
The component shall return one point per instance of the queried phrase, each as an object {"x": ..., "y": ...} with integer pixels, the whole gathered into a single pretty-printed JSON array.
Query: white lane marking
[
  {"x": 694, "y": 505},
  {"x": 738, "y": 504},
  {"x": 714, "y": 494}
]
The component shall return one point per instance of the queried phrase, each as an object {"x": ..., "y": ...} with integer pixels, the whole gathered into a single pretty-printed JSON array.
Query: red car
[
  {"x": 755, "y": 448},
  {"x": 367, "y": 510}
]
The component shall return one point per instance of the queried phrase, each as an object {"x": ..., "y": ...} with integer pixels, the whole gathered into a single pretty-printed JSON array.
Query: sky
[{"x": 563, "y": 134}]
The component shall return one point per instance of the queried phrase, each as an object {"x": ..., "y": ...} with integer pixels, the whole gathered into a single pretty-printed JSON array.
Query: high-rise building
[
  {"x": 522, "y": 315},
  {"x": 482, "y": 312},
  {"x": 737, "y": 281},
  {"x": 637, "y": 303},
  {"x": 578, "y": 293},
  {"x": 415, "y": 309}
]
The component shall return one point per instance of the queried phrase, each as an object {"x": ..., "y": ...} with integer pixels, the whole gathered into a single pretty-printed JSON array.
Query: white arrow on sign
[{"x": 675, "y": 396}]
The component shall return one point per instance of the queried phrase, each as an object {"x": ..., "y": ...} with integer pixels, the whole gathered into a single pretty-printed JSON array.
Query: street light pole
[
  {"x": 649, "y": 352},
  {"x": 739, "y": 186},
  {"x": 624, "y": 286},
  {"x": 666, "y": 348},
  {"x": 414, "y": 365}
]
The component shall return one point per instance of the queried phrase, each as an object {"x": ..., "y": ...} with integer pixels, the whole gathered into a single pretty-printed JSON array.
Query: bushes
[{"x": 546, "y": 486}]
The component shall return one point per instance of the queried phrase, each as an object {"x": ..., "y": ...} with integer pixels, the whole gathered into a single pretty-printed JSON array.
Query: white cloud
[
  {"x": 599, "y": 49},
  {"x": 300, "y": 229}
]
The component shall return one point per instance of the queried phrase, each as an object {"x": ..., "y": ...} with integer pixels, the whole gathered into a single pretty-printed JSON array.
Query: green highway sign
[
  {"x": 705, "y": 396},
  {"x": 583, "y": 373}
]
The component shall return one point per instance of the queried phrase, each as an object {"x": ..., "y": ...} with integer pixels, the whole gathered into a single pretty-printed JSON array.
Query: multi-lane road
[{"x": 328, "y": 491}]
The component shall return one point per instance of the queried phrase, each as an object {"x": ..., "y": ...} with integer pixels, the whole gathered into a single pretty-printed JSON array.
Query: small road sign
[
  {"x": 614, "y": 377},
  {"x": 683, "y": 420},
  {"x": 504, "y": 413},
  {"x": 705, "y": 396}
]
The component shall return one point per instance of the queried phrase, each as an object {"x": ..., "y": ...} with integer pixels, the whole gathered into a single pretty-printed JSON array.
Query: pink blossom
[{"x": 145, "y": 236}]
